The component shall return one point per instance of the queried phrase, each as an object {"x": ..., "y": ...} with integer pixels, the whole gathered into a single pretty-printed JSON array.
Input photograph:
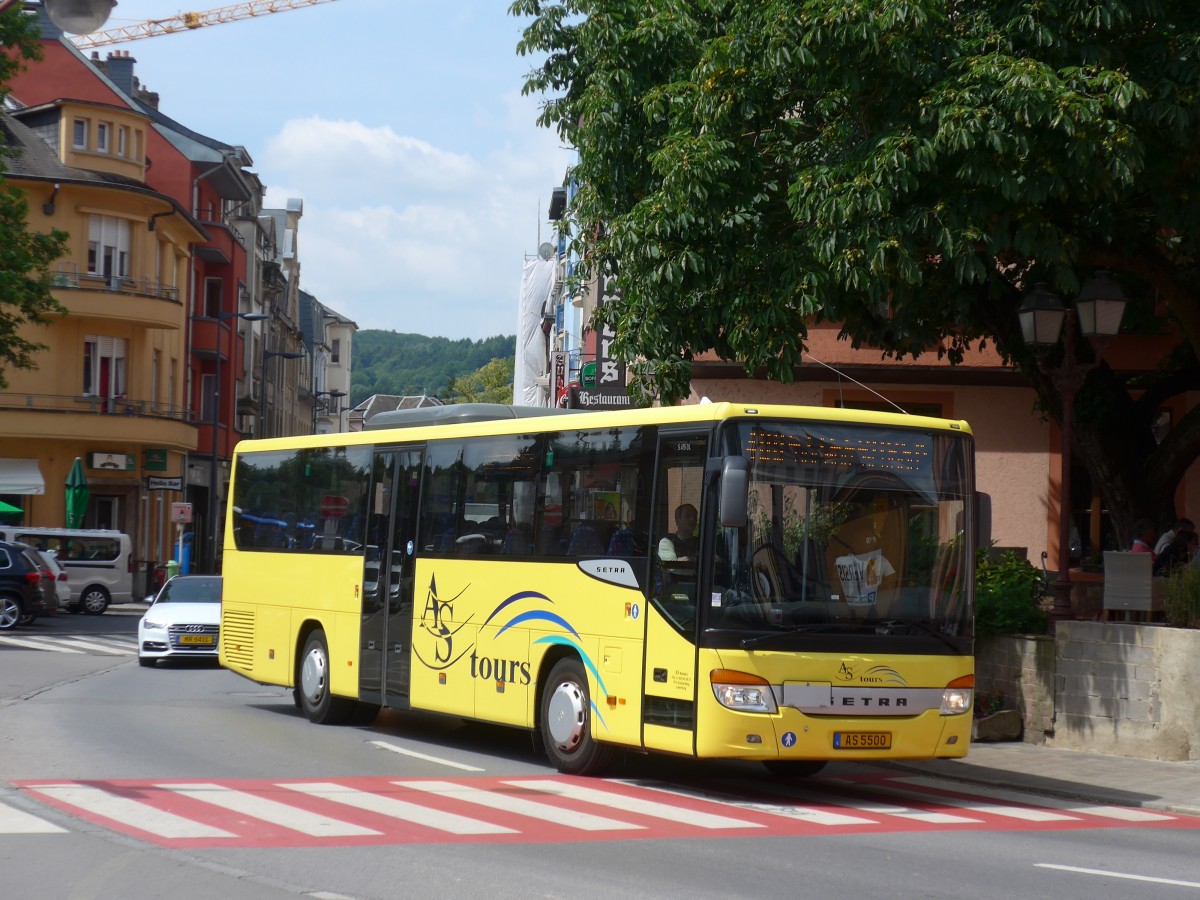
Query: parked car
[
  {"x": 24, "y": 594},
  {"x": 98, "y": 562},
  {"x": 184, "y": 621},
  {"x": 62, "y": 587}
]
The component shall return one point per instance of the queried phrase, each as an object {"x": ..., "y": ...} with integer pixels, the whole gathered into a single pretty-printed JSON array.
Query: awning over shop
[{"x": 21, "y": 476}]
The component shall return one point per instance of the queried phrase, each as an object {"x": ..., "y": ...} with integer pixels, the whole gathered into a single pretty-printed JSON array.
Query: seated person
[{"x": 680, "y": 545}]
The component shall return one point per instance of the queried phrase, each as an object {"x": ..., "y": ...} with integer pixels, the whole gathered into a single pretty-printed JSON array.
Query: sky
[{"x": 401, "y": 125}]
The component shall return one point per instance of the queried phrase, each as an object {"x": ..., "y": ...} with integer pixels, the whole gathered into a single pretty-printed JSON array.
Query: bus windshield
[{"x": 852, "y": 531}]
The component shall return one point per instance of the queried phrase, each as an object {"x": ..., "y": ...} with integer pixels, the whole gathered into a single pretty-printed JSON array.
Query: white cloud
[{"x": 401, "y": 234}]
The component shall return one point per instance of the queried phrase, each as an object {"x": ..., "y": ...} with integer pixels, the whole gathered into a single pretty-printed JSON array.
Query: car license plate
[
  {"x": 205, "y": 639},
  {"x": 862, "y": 740}
]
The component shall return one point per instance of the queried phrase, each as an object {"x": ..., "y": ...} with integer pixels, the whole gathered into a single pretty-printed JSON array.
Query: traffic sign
[
  {"x": 181, "y": 513},
  {"x": 333, "y": 506}
]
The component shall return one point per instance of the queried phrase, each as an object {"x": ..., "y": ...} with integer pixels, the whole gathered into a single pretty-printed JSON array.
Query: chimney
[{"x": 120, "y": 71}]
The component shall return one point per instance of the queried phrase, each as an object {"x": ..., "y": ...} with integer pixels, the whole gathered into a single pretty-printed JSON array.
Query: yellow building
[{"x": 110, "y": 386}]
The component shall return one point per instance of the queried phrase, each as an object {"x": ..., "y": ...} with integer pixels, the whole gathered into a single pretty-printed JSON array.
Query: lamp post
[
  {"x": 1100, "y": 307},
  {"x": 334, "y": 396},
  {"x": 73, "y": 16},
  {"x": 213, "y": 468},
  {"x": 270, "y": 354}
]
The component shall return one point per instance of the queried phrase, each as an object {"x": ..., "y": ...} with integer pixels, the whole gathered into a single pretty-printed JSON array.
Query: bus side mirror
[{"x": 735, "y": 478}]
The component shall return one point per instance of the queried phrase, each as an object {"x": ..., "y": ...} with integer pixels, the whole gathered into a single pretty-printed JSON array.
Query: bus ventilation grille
[{"x": 237, "y": 637}]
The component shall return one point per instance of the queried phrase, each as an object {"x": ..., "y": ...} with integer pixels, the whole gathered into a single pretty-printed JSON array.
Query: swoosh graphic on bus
[
  {"x": 535, "y": 615},
  {"x": 515, "y": 598},
  {"x": 587, "y": 661},
  {"x": 439, "y": 667},
  {"x": 887, "y": 674}
]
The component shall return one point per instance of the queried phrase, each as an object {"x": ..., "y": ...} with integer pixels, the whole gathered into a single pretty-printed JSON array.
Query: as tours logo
[{"x": 441, "y": 647}]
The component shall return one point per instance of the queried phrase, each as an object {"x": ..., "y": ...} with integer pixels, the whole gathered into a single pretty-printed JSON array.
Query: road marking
[
  {"x": 397, "y": 809},
  {"x": 638, "y": 805},
  {"x": 130, "y": 813},
  {"x": 506, "y": 802},
  {"x": 1026, "y": 814},
  {"x": 1124, "y": 875},
  {"x": 15, "y": 821},
  {"x": 269, "y": 810},
  {"x": 1070, "y": 806},
  {"x": 90, "y": 645},
  {"x": 35, "y": 645},
  {"x": 786, "y": 810},
  {"x": 384, "y": 745}
]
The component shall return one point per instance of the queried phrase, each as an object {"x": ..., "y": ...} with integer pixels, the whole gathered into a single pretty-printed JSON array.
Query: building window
[
  {"x": 122, "y": 141},
  {"x": 80, "y": 131},
  {"x": 212, "y": 297},
  {"x": 335, "y": 352},
  {"x": 103, "y": 366},
  {"x": 155, "y": 374},
  {"x": 208, "y": 398},
  {"x": 102, "y": 129},
  {"x": 108, "y": 246}
]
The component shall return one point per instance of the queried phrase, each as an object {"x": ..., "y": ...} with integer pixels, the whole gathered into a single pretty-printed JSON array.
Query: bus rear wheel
[
  {"x": 566, "y": 719},
  {"x": 312, "y": 692}
]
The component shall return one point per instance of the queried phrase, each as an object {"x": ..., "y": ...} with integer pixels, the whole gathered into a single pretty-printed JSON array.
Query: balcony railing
[
  {"x": 67, "y": 276},
  {"x": 85, "y": 403}
]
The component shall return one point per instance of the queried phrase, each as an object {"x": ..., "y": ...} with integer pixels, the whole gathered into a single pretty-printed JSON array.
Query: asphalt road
[{"x": 188, "y": 781}]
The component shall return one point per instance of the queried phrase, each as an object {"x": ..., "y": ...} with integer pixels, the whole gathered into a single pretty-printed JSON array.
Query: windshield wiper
[
  {"x": 885, "y": 627},
  {"x": 812, "y": 628}
]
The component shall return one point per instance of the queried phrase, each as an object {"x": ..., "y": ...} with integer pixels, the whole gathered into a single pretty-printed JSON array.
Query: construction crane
[{"x": 187, "y": 21}]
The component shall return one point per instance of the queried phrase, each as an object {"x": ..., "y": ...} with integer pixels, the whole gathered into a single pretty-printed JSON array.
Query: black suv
[{"x": 23, "y": 592}]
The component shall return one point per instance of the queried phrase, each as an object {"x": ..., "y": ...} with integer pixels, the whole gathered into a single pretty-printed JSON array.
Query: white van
[{"x": 99, "y": 564}]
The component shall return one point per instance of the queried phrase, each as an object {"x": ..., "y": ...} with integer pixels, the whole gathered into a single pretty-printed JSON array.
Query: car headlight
[
  {"x": 152, "y": 625},
  {"x": 742, "y": 691},
  {"x": 958, "y": 696}
]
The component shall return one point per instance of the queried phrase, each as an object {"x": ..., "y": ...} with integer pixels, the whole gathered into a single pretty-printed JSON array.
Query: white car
[
  {"x": 183, "y": 622},
  {"x": 61, "y": 587}
]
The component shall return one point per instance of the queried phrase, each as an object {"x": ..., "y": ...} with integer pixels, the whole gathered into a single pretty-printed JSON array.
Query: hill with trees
[{"x": 387, "y": 362}]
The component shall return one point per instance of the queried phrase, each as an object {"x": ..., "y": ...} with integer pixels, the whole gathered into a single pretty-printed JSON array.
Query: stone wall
[
  {"x": 1117, "y": 688},
  {"x": 1022, "y": 666}
]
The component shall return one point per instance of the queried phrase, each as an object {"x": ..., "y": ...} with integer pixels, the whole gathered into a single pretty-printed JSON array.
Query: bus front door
[
  {"x": 387, "y": 589},
  {"x": 670, "y": 686}
]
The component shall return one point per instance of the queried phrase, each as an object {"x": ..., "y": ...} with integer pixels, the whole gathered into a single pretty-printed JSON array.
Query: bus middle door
[{"x": 388, "y": 574}]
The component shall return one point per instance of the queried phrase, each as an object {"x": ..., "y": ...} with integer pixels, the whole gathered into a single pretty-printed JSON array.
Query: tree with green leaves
[
  {"x": 492, "y": 383},
  {"x": 25, "y": 256},
  {"x": 909, "y": 169}
]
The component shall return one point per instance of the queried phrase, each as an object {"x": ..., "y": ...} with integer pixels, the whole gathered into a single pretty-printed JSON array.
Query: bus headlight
[
  {"x": 742, "y": 691},
  {"x": 958, "y": 695}
]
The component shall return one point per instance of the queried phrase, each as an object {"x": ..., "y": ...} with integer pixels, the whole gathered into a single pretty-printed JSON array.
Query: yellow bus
[{"x": 783, "y": 584}]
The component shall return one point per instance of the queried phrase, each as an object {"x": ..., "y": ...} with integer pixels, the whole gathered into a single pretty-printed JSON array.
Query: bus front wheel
[
  {"x": 312, "y": 692},
  {"x": 566, "y": 721}
]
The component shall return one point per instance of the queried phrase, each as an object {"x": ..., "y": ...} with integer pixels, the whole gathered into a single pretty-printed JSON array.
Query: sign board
[
  {"x": 333, "y": 506},
  {"x": 112, "y": 462},
  {"x": 154, "y": 459},
  {"x": 156, "y": 483},
  {"x": 181, "y": 513}
]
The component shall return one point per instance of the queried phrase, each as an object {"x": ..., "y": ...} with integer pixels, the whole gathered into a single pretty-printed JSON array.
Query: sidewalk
[{"x": 1072, "y": 774}]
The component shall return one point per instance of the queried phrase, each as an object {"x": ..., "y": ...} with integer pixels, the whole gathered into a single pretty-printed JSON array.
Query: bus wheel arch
[{"x": 565, "y": 719}]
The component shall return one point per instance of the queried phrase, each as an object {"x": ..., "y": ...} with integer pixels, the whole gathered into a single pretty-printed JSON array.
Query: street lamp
[
  {"x": 270, "y": 354},
  {"x": 334, "y": 396},
  {"x": 1100, "y": 307},
  {"x": 213, "y": 469},
  {"x": 73, "y": 16}
]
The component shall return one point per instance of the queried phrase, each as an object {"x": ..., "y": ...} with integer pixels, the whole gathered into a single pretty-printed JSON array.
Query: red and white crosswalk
[{"x": 374, "y": 811}]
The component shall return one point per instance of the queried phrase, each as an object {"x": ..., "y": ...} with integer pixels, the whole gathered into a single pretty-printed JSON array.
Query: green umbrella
[
  {"x": 8, "y": 508},
  {"x": 77, "y": 494}
]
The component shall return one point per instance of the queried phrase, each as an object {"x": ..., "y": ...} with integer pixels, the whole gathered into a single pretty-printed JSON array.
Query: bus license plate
[
  {"x": 206, "y": 639},
  {"x": 862, "y": 740}
]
